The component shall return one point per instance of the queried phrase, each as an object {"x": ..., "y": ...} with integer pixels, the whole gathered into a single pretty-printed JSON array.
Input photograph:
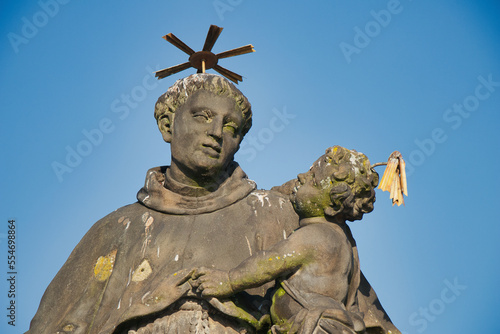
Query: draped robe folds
[{"x": 134, "y": 263}]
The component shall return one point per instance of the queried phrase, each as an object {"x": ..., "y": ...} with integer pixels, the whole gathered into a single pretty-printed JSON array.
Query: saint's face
[
  {"x": 312, "y": 194},
  {"x": 206, "y": 133}
]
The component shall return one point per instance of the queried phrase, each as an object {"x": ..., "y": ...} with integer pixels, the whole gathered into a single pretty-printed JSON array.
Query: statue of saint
[{"x": 133, "y": 271}]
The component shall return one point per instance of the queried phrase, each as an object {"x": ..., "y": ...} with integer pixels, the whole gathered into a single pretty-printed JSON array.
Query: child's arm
[{"x": 283, "y": 259}]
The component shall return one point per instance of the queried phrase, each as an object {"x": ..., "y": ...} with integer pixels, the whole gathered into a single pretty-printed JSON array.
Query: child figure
[{"x": 317, "y": 266}]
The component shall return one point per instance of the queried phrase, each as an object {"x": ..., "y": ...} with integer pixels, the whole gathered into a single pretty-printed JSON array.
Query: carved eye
[
  {"x": 231, "y": 127},
  {"x": 202, "y": 115}
]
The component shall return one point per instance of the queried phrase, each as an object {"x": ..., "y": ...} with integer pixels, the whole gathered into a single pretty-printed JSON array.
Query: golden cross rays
[{"x": 205, "y": 59}]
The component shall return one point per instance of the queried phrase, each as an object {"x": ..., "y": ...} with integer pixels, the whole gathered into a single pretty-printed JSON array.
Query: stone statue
[{"x": 134, "y": 270}]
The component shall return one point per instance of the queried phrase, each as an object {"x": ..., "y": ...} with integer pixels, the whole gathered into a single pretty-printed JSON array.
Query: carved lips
[{"x": 212, "y": 149}]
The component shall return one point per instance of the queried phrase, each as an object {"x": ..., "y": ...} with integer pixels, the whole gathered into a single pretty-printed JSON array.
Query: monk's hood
[{"x": 157, "y": 196}]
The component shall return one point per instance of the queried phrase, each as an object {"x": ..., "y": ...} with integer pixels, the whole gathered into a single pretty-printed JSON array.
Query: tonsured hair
[
  {"x": 182, "y": 89},
  {"x": 353, "y": 183}
]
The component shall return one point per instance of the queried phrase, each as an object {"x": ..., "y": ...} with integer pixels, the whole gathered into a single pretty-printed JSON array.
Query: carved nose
[{"x": 215, "y": 129}]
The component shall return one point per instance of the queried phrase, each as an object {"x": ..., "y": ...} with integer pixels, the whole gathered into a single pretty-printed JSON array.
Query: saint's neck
[{"x": 183, "y": 184}]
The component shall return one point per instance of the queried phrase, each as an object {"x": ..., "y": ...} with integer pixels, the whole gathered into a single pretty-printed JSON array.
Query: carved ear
[
  {"x": 338, "y": 194},
  {"x": 165, "y": 124},
  {"x": 329, "y": 211}
]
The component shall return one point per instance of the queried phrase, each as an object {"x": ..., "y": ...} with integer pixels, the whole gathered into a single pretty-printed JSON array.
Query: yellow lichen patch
[
  {"x": 69, "y": 328},
  {"x": 142, "y": 272},
  {"x": 104, "y": 266},
  {"x": 280, "y": 292}
]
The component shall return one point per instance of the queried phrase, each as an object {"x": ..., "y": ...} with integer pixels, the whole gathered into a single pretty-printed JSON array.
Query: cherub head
[{"x": 340, "y": 184}]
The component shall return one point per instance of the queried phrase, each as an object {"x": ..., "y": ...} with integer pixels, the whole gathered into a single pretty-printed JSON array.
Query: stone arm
[{"x": 285, "y": 258}]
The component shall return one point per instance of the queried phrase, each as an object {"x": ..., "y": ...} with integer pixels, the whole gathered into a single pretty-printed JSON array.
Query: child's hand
[{"x": 212, "y": 282}]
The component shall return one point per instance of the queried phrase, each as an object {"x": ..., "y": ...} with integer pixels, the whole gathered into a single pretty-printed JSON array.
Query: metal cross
[{"x": 205, "y": 59}]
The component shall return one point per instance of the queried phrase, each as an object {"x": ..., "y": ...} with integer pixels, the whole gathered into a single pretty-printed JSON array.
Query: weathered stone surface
[{"x": 133, "y": 271}]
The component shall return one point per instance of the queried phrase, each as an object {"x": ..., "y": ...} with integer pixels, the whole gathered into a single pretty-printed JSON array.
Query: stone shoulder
[{"x": 269, "y": 198}]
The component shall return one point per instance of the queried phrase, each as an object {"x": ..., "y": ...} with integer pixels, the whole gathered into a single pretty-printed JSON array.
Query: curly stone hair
[
  {"x": 353, "y": 183},
  {"x": 180, "y": 91}
]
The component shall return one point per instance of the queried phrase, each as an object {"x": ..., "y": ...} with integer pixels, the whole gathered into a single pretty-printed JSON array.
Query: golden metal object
[{"x": 394, "y": 178}]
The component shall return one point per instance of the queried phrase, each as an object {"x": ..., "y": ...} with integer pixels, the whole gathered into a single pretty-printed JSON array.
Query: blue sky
[{"x": 418, "y": 76}]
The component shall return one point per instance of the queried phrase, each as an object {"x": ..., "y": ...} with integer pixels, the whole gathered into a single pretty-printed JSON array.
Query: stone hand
[{"x": 212, "y": 282}]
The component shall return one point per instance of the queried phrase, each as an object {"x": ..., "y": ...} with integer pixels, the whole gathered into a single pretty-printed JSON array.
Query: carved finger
[
  {"x": 194, "y": 283},
  {"x": 203, "y": 280},
  {"x": 184, "y": 277},
  {"x": 199, "y": 272},
  {"x": 208, "y": 292}
]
